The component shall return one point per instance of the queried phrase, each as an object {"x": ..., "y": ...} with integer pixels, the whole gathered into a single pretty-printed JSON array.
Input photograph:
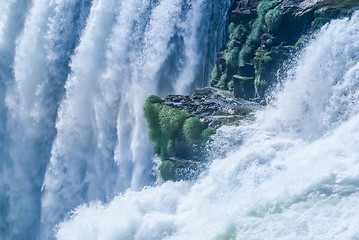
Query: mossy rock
[
  {"x": 192, "y": 129},
  {"x": 232, "y": 56},
  {"x": 167, "y": 170},
  {"x": 273, "y": 19},
  {"x": 207, "y": 133},
  {"x": 340, "y": 5},
  {"x": 171, "y": 121}
]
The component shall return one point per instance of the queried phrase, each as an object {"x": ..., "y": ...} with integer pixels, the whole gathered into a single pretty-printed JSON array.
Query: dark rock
[
  {"x": 247, "y": 70},
  {"x": 243, "y": 87},
  {"x": 243, "y": 83},
  {"x": 254, "y": 41},
  {"x": 243, "y": 10},
  {"x": 213, "y": 106}
]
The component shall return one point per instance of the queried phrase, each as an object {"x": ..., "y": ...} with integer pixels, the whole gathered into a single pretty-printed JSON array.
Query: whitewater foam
[
  {"x": 294, "y": 174},
  {"x": 74, "y": 76}
]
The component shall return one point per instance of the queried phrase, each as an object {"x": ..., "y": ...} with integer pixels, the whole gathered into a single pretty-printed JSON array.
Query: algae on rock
[
  {"x": 173, "y": 134},
  {"x": 262, "y": 35}
]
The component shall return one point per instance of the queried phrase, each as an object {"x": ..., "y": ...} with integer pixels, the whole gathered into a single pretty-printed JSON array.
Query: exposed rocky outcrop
[
  {"x": 262, "y": 34},
  {"x": 261, "y": 37},
  {"x": 213, "y": 106},
  {"x": 180, "y": 126}
]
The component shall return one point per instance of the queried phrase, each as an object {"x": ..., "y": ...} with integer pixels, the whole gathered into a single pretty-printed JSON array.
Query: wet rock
[
  {"x": 213, "y": 106},
  {"x": 266, "y": 38}
]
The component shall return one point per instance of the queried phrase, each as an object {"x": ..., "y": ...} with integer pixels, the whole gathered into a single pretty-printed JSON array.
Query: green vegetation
[
  {"x": 265, "y": 42},
  {"x": 232, "y": 56},
  {"x": 265, "y": 5},
  {"x": 245, "y": 55},
  {"x": 167, "y": 170},
  {"x": 152, "y": 109},
  {"x": 214, "y": 73},
  {"x": 342, "y": 5},
  {"x": 231, "y": 28},
  {"x": 239, "y": 33},
  {"x": 207, "y": 133},
  {"x": 230, "y": 84},
  {"x": 256, "y": 32},
  {"x": 231, "y": 44},
  {"x": 245, "y": 46},
  {"x": 273, "y": 19},
  {"x": 164, "y": 124},
  {"x": 171, "y": 120},
  {"x": 261, "y": 67},
  {"x": 261, "y": 61},
  {"x": 223, "y": 81},
  {"x": 300, "y": 41},
  {"x": 192, "y": 129},
  {"x": 167, "y": 125}
]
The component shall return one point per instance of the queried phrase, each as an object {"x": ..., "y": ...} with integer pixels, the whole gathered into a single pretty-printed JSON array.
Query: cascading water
[
  {"x": 295, "y": 175},
  {"x": 74, "y": 77}
]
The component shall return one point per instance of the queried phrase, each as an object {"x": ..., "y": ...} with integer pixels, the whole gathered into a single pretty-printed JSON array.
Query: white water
[
  {"x": 74, "y": 75},
  {"x": 295, "y": 176}
]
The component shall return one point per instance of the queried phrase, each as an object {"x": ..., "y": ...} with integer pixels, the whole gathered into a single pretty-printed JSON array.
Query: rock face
[
  {"x": 213, "y": 106},
  {"x": 262, "y": 35},
  {"x": 180, "y": 127}
]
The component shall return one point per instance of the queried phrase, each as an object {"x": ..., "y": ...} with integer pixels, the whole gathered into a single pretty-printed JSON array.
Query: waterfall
[
  {"x": 74, "y": 75},
  {"x": 294, "y": 174}
]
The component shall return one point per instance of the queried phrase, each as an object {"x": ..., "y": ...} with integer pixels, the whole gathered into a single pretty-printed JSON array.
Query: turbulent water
[
  {"x": 74, "y": 75},
  {"x": 294, "y": 175}
]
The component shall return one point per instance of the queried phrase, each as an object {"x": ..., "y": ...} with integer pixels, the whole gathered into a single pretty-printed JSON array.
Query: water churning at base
[{"x": 295, "y": 176}]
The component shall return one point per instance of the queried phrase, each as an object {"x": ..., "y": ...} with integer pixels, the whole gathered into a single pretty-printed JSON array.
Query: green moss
[
  {"x": 157, "y": 147},
  {"x": 152, "y": 108},
  {"x": 192, "y": 129},
  {"x": 214, "y": 73},
  {"x": 342, "y": 5},
  {"x": 167, "y": 170},
  {"x": 260, "y": 86},
  {"x": 207, "y": 133},
  {"x": 231, "y": 56},
  {"x": 239, "y": 33},
  {"x": 264, "y": 6},
  {"x": 223, "y": 81},
  {"x": 300, "y": 41},
  {"x": 261, "y": 61},
  {"x": 170, "y": 146},
  {"x": 167, "y": 125},
  {"x": 268, "y": 18},
  {"x": 273, "y": 19},
  {"x": 319, "y": 22},
  {"x": 269, "y": 42},
  {"x": 256, "y": 32},
  {"x": 231, "y": 44},
  {"x": 231, "y": 28},
  {"x": 171, "y": 120},
  {"x": 153, "y": 99},
  {"x": 245, "y": 55},
  {"x": 164, "y": 124},
  {"x": 230, "y": 84}
]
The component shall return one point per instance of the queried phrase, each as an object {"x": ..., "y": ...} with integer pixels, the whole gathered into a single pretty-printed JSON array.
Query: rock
[
  {"x": 247, "y": 70},
  {"x": 259, "y": 42},
  {"x": 243, "y": 10},
  {"x": 266, "y": 39},
  {"x": 213, "y": 106},
  {"x": 243, "y": 87}
]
